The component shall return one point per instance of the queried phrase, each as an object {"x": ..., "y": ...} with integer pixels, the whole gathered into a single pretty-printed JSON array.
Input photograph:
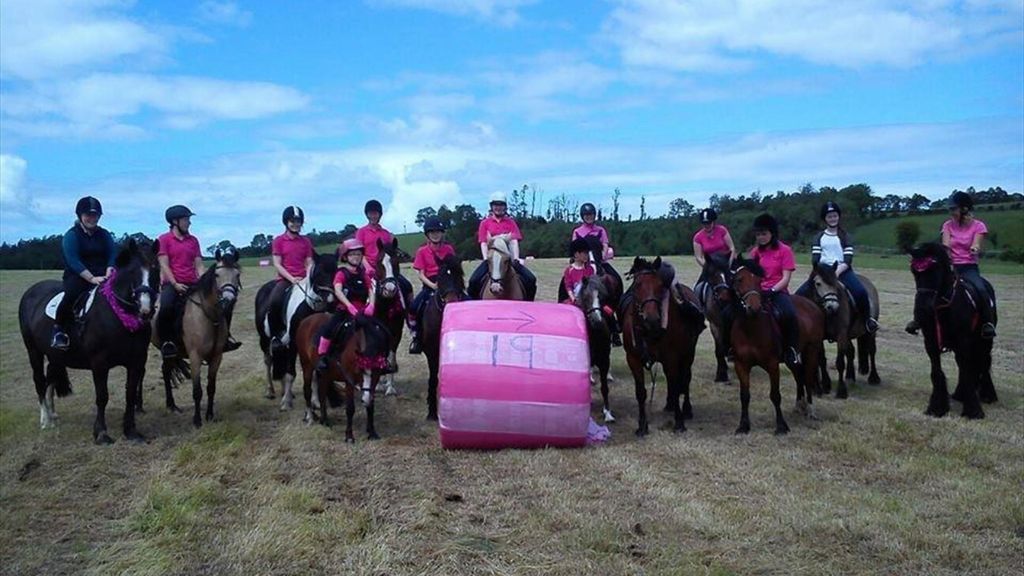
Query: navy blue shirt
[{"x": 93, "y": 252}]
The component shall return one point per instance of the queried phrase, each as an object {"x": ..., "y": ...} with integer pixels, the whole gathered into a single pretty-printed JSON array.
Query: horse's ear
[
  {"x": 835, "y": 266},
  {"x": 132, "y": 245},
  {"x": 217, "y": 255},
  {"x": 156, "y": 247},
  {"x": 394, "y": 243},
  {"x": 124, "y": 257},
  {"x": 657, "y": 262}
]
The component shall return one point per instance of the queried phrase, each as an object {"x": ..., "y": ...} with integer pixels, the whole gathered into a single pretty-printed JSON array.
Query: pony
[
  {"x": 356, "y": 361},
  {"x": 658, "y": 329},
  {"x": 842, "y": 326},
  {"x": 391, "y": 309},
  {"x": 714, "y": 295},
  {"x": 505, "y": 283},
  {"x": 756, "y": 341},
  {"x": 114, "y": 331},
  {"x": 204, "y": 331},
  {"x": 948, "y": 317},
  {"x": 593, "y": 300},
  {"x": 314, "y": 293},
  {"x": 451, "y": 287}
]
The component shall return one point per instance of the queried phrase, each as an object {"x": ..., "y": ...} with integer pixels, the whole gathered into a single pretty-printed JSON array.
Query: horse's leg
[
  {"x": 99, "y": 427},
  {"x": 851, "y": 371},
  {"x": 268, "y": 363},
  {"x": 211, "y": 384},
  {"x": 287, "y": 396},
  {"x": 44, "y": 391},
  {"x": 371, "y": 431},
  {"x": 810, "y": 371},
  {"x": 197, "y": 389},
  {"x": 602, "y": 369},
  {"x": 986, "y": 389},
  {"x": 743, "y": 375},
  {"x": 133, "y": 387},
  {"x": 938, "y": 404},
  {"x": 308, "y": 378},
  {"x": 842, "y": 347},
  {"x": 322, "y": 382},
  {"x": 350, "y": 410},
  {"x": 684, "y": 377},
  {"x": 776, "y": 397},
  {"x": 641, "y": 398},
  {"x": 868, "y": 347},
  {"x": 721, "y": 368},
  {"x": 165, "y": 369},
  {"x": 825, "y": 382},
  {"x": 968, "y": 381},
  {"x": 432, "y": 365}
]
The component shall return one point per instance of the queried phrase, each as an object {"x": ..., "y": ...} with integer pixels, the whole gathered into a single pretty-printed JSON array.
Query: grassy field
[
  {"x": 872, "y": 487},
  {"x": 1008, "y": 226}
]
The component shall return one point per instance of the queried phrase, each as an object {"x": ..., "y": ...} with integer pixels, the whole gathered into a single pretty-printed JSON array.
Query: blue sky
[{"x": 239, "y": 109}]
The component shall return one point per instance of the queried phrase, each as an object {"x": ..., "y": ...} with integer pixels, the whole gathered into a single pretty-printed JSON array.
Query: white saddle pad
[{"x": 51, "y": 306}]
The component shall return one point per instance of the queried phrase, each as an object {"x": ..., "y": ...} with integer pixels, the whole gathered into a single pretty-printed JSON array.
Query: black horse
[
  {"x": 944, "y": 308},
  {"x": 114, "y": 332},
  {"x": 451, "y": 287},
  {"x": 315, "y": 293}
]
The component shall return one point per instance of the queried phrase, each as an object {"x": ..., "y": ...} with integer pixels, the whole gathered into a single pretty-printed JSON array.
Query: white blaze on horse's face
[
  {"x": 145, "y": 300},
  {"x": 594, "y": 313},
  {"x": 389, "y": 287}
]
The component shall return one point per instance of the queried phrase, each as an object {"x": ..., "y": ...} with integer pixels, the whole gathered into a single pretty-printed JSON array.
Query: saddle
[{"x": 81, "y": 306}]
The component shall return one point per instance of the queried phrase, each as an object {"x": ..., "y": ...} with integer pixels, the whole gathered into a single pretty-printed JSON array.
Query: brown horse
[
  {"x": 658, "y": 329},
  {"x": 714, "y": 295},
  {"x": 356, "y": 361},
  {"x": 451, "y": 287},
  {"x": 504, "y": 283},
  {"x": 391, "y": 308},
  {"x": 204, "y": 331},
  {"x": 593, "y": 300},
  {"x": 843, "y": 326},
  {"x": 755, "y": 340}
]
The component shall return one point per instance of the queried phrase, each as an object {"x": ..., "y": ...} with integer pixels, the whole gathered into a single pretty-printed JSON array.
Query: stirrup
[
  {"x": 60, "y": 341},
  {"x": 168, "y": 350},
  {"x": 988, "y": 330},
  {"x": 912, "y": 327},
  {"x": 792, "y": 356},
  {"x": 415, "y": 346},
  {"x": 231, "y": 344},
  {"x": 323, "y": 363}
]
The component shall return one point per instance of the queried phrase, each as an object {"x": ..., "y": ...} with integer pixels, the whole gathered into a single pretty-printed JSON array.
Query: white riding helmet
[{"x": 498, "y": 198}]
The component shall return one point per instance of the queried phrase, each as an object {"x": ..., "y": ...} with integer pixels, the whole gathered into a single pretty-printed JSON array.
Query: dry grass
[{"x": 872, "y": 487}]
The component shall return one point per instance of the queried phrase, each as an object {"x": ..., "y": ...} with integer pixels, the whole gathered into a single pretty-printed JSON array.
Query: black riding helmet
[
  {"x": 961, "y": 200},
  {"x": 293, "y": 213},
  {"x": 587, "y": 208},
  {"x": 830, "y": 206},
  {"x": 177, "y": 211},
  {"x": 88, "y": 205},
  {"x": 373, "y": 206},
  {"x": 578, "y": 245},
  {"x": 708, "y": 215},
  {"x": 767, "y": 222},
  {"x": 433, "y": 224}
]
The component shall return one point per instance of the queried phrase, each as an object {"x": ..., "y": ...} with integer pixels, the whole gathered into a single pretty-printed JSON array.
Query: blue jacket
[{"x": 93, "y": 252}]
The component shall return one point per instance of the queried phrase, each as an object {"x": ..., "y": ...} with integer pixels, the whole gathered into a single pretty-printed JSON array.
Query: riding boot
[
  {"x": 60, "y": 340},
  {"x": 323, "y": 350},
  {"x": 415, "y": 346},
  {"x": 231, "y": 344}
]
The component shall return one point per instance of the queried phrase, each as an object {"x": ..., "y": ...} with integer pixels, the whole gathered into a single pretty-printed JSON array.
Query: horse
[
  {"x": 356, "y": 361},
  {"x": 593, "y": 300},
  {"x": 314, "y": 293},
  {"x": 755, "y": 341},
  {"x": 451, "y": 287},
  {"x": 505, "y": 283},
  {"x": 204, "y": 331},
  {"x": 714, "y": 295},
  {"x": 657, "y": 328},
  {"x": 842, "y": 326},
  {"x": 948, "y": 318},
  {"x": 115, "y": 331},
  {"x": 390, "y": 309}
]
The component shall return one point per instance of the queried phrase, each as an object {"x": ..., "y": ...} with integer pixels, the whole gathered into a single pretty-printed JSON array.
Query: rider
[
  {"x": 590, "y": 229},
  {"x": 581, "y": 268},
  {"x": 963, "y": 235},
  {"x": 776, "y": 258},
  {"x": 88, "y": 260},
  {"x": 368, "y": 236},
  {"x": 712, "y": 238},
  {"x": 426, "y": 264},
  {"x": 293, "y": 258},
  {"x": 833, "y": 246},
  {"x": 495, "y": 223},
  {"x": 180, "y": 267},
  {"x": 353, "y": 286}
]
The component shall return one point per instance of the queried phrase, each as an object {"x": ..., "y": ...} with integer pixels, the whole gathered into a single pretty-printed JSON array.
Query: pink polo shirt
[
  {"x": 181, "y": 254},
  {"x": 712, "y": 242},
  {"x": 425, "y": 261},
  {"x": 493, "y": 226},
  {"x": 293, "y": 249},
  {"x": 961, "y": 238},
  {"x": 584, "y": 230},
  {"x": 369, "y": 235},
  {"x": 573, "y": 276},
  {"x": 774, "y": 261}
]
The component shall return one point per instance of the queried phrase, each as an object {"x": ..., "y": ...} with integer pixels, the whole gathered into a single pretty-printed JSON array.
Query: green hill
[{"x": 1006, "y": 229}]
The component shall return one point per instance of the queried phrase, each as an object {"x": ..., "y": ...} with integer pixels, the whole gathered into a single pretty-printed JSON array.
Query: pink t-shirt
[
  {"x": 584, "y": 230},
  {"x": 774, "y": 261},
  {"x": 424, "y": 260},
  {"x": 181, "y": 254},
  {"x": 961, "y": 238},
  {"x": 712, "y": 242},
  {"x": 369, "y": 235},
  {"x": 494, "y": 227},
  {"x": 573, "y": 276},
  {"x": 342, "y": 276},
  {"x": 293, "y": 250}
]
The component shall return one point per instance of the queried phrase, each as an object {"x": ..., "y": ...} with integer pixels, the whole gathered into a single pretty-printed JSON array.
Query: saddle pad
[{"x": 51, "y": 306}]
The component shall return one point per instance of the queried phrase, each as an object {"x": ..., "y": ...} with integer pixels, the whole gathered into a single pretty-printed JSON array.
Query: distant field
[
  {"x": 872, "y": 487},
  {"x": 1008, "y": 227}
]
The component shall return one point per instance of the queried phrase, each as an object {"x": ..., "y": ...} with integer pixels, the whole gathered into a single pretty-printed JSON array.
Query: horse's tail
[{"x": 57, "y": 376}]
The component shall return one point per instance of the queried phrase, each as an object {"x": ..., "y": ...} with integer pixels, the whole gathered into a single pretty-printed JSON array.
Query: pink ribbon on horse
[
  {"x": 375, "y": 363},
  {"x": 922, "y": 264},
  {"x": 131, "y": 322}
]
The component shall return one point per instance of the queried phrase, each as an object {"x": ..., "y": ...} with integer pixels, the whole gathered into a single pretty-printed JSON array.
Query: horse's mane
[
  {"x": 665, "y": 271},
  {"x": 751, "y": 265},
  {"x": 716, "y": 261},
  {"x": 596, "y": 249},
  {"x": 453, "y": 265},
  {"x": 500, "y": 243},
  {"x": 931, "y": 250},
  {"x": 206, "y": 281},
  {"x": 375, "y": 336},
  {"x": 598, "y": 283},
  {"x": 826, "y": 272},
  {"x": 324, "y": 263}
]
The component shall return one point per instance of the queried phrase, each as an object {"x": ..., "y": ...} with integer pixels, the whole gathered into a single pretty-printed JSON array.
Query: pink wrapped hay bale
[{"x": 513, "y": 375}]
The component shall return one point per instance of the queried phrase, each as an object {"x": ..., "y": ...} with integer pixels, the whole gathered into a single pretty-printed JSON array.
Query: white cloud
[
  {"x": 13, "y": 195},
  {"x": 224, "y": 13},
  {"x": 502, "y": 12},
  {"x": 727, "y": 35}
]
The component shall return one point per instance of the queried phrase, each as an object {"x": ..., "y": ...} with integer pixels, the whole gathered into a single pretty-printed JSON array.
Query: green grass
[{"x": 1005, "y": 226}]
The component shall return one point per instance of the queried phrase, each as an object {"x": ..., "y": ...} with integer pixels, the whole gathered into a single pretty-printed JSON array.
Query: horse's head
[
  {"x": 650, "y": 289},
  {"x": 387, "y": 268},
  {"x": 746, "y": 283},
  {"x": 716, "y": 271},
  {"x": 373, "y": 344},
  {"x": 591, "y": 299},
  {"x": 826, "y": 286},
  {"x": 933, "y": 273},
  {"x": 451, "y": 285},
  {"x": 227, "y": 277},
  {"x": 320, "y": 287},
  {"x": 134, "y": 279},
  {"x": 499, "y": 260}
]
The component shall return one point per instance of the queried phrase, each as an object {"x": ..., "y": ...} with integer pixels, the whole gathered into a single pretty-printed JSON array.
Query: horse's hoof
[
  {"x": 842, "y": 394},
  {"x": 373, "y": 436},
  {"x": 641, "y": 432},
  {"x": 781, "y": 430},
  {"x": 432, "y": 416},
  {"x": 139, "y": 410},
  {"x": 668, "y": 408},
  {"x": 174, "y": 409},
  {"x": 743, "y": 429},
  {"x": 936, "y": 412},
  {"x": 679, "y": 428},
  {"x": 285, "y": 406},
  {"x": 608, "y": 416},
  {"x": 687, "y": 413},
  {"x": 270, "y": 396},
  {"x": 197, "y": 422},
  {"x": 350, "y": 440},
  {"x": 974, "y": 414},
  {"x": 874, "y": 380},
  {"x": 103, "y": 439},
  {"x": 135, "y": 437}
]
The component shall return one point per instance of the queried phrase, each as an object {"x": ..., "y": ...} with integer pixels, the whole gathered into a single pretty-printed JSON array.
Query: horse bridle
[
  {"x": 748, "y": 293},
  {"x": 137, "y": 292},
  {"x": 228, "y": 288}
]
